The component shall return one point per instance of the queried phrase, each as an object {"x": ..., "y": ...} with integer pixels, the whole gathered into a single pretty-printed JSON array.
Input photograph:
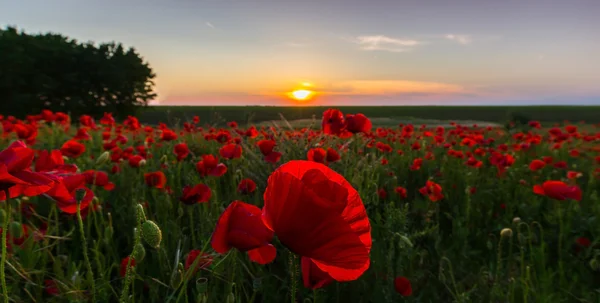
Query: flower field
[{"x": 343, "y": 211}]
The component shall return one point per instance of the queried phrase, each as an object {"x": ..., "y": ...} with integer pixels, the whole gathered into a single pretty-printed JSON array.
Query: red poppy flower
[
  {"x": 536, "y": 165},
  {"x": 583, "y": 242},
  {"x": 98, "y": 178},
  {"x": 15, "y": 175},
  {"x": 82, "y": 135},
  {"x": 246, "y": 186},
  {"x": 432, "y": 190},
  {"x": 210, "y": 166},
  {"x": 135, "y": 161},
  {"x": 49, "y": 161},
  {"x": 181, "y": 150},
  {"x": 231, "y": 151},
  {"x": 358, "y": 123},
  {"x": 332, "y": 155},
  {"x": 72, "y": 149},
  {"x": 123, "y": 268},
  {"x": 168, "y": 135},
  {"x": 266, "y": 146},
  {"x": 240, "y": 226},
  {"x": 558, "y": 190},
  {"x": 51, "y": 288},
  {"x": 402, "y": 286},
  {"x": 204, "y": 260},
  {"x": 333, "y": 122},
  {"x": 64, "y": 192},
  {"x": 318, "y": 155},
  {"x": 317, "y": 214},
  {"x": 401, "y": 191},
  {"x": 312, "y": 276},
  {"x": 198, "y": 194},
  {"x": 573, "y": 175},
  {"x": 155, "y": 179},
  {"x": 382, "y": 193},
  {"x": 416, "y": 165}
]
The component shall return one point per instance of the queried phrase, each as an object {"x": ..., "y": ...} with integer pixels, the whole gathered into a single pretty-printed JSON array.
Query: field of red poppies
[{"x": 344, "y": 211}]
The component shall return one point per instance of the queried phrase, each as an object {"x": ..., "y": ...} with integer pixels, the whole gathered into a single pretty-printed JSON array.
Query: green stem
[
  {"x": 88, "y": 265},
  {"x": 3, "y": 261}
]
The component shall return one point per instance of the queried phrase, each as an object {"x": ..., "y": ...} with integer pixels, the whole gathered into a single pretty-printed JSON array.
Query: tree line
[{"x": 52, "y": 71}]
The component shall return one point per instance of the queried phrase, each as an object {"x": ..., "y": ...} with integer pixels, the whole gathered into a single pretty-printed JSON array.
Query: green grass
[{"x": 256, "y": 114}]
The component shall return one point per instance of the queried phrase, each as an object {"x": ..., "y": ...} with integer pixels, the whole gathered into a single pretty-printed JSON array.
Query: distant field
[{"x": 258, "y": 114}]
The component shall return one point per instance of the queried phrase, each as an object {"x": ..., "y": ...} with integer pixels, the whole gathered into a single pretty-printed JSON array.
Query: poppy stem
[
  {"x": 293, "y": 271},
  {"x": 3, "y": 261},
  {"x": 90, "y": 272}
]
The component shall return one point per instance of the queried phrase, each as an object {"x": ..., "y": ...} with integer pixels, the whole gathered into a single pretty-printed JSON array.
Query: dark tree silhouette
[{"x": 51, "y": 71}]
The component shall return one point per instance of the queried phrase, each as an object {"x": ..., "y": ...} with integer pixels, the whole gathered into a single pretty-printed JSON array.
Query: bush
[{"x": 51, "y": 71}]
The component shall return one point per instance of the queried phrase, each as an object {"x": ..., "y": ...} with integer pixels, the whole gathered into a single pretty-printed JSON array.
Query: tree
[{"x": 51, "y": 71}]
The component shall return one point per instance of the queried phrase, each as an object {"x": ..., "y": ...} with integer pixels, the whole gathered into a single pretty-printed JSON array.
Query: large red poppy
[
  {"x": 317, "y": 214},
  {"x": 231, "y": 151},
  {"x": 210, "y": 166},
  {"x": 53, "y": 160},
  {"x": 72, "y": 149},
  {"x": 16, "y": 176},
  {"x": 197, "y": 194},
  {"x": 558, "y": 190},
  {"x": 358, "y": 123},
  {"x": 98, "y": 178},
  {"x": 64, "y": 192},
  {"x": 240, "y": 226}
]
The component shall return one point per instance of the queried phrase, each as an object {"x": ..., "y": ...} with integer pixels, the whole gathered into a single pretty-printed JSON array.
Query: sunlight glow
[{"x": 302, "y": 94}]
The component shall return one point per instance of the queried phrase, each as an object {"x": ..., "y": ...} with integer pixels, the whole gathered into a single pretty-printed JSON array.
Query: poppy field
[{"x": 340, "y": 211}]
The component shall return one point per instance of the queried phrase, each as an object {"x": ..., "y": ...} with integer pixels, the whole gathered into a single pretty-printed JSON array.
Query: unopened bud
[
  {"x": 103, "y": 158},
  {"x": 230, "y": 298},
  {"x": 516, "y": 220},
  {"x": 594, "y": 264},
  {"x": 16, "y": 230},
  {"x": 142, "y": 162},
  {"x": 140, "y": 214},
  {"x": 164, "y": 159},
  {"x": 139, "y": 252},
  {"x": 176, "y": 279},
  {"x": 506, "y": 233},
  {"x": 151, "y": 234}
]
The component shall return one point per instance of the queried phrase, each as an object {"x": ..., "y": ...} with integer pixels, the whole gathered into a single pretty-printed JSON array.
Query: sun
[{"x": 302, "y": 94}]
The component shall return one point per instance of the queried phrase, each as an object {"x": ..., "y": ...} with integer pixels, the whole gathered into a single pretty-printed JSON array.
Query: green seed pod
[
  {"x": 202, "y": 285},
  {"x": 594, "y": 264},
  {"x": 140, "y": 214},
  {"x": 3, "y": 217},
  {"x": 151, "y": 234},
  {"x": 103, "y": 158},
  {"x": 257, "y": 284},
  {"x": 16, "y": 230},
  {"x": 139, "y": 252}
]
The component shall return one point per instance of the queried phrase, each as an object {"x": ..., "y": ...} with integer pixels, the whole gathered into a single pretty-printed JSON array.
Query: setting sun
[{"x": 302, "y": 94}]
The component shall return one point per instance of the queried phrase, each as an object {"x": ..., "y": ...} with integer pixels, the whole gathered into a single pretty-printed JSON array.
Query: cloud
[
  {"x": 209, "y": 24},
  {"x": 462, "y": 39},
  {"x": 295, "y": 44},
  {"x": 384, "y": 43},
  {"x": 394, "y": 87}
]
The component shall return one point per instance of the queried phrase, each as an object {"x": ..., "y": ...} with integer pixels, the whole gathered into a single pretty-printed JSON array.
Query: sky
[{"x": 348, "y": 52}]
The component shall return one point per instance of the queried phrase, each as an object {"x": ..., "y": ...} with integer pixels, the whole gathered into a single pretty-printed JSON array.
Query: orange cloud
[{"x": 392, "y": 87}]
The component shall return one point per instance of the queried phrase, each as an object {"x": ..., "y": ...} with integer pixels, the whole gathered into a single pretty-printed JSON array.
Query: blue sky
[{"x": 350, "y": 52}]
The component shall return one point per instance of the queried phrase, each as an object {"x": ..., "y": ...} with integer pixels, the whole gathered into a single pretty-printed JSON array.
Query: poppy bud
[
  {"x": 139, "y": 252},
  {"x": 257, "y": 284},
  {"x": 506, "y": 233},
  {"x": 140, "y": 214},
  {"x": 2, "y": 216},
  {"x": 25, "y": 198},
  {"x": 594, "y": 264},
  {"x": 230, "y": 298},
  {"x": 80, "y": 195},
  {"x": 104, "y": 158},
  {"x": 16, "y": 230},
  {"x": 516, "y": 220},
  {"x": 177, "y": 277},
  {"x": 151, "y": 234},
  {"x": 164, "y": 159},
  {"x": 142, "y": 162}
]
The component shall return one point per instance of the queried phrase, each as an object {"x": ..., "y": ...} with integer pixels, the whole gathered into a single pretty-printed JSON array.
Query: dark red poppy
[
  {"x": 432, "y": 190},
  {"x": 401, "y": 191},
  {"x": 168, "y": 135},
  {"x": 402, "y": 286},
  {"x": 246, "y": 186},
  {"x": 240, "y": 226},
  {"x": 49, "y": 161},
  {"x": 536, "y": 165},
  {"x": 583, "y": 242},
  {"x": 312, "y": 276},
  {"x": 123, "y": 268},
  {"x": 156, "y": 179},
  {"x": 72, "y": 149},
  {"x": 65, "y": 189},
  {"x": 572, "y": 175},
  {"x": 332, "y": 155},
  {"x": 198, "y": 194},
  {"x": 333, "y": 122},
  {"x": 51, "y": 288},
  {"x": 382, "y": 193},
  {"x": 135, "y": 161},
  {"x": 317, "y": 214},
  {"x": 210, "y": 166},
  {"x": 15, "y": 175},
  {"x": 231, "y": 151},
  {"x": 98, "y": 178},
  {"x": 204, "y": 260},
  {"x": 358, "y": 123},
  {"x": 558, "y": 190},
  {"x": 266, "y": 146},
  {"x": 318, "y": 155},
  {"x": 181, "y": 150}
]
